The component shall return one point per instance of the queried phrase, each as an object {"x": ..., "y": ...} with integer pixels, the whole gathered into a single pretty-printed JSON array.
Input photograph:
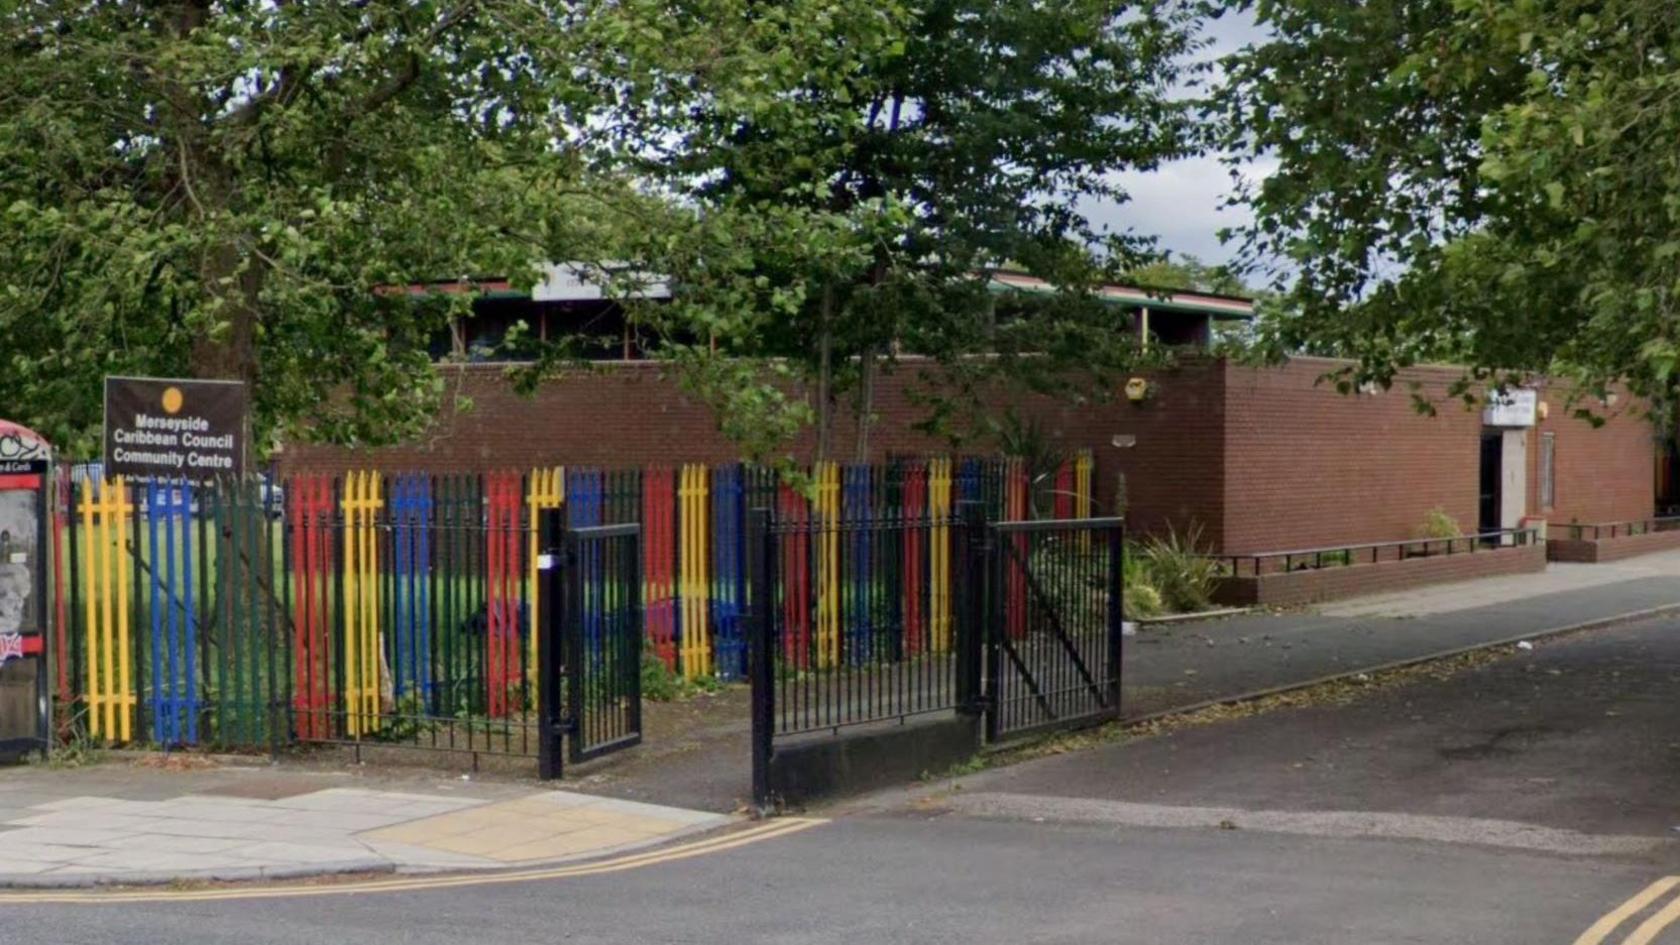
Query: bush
[
  {"x": 1140, "y": 597},
  {"x": 1178, "y": 570},
  {"x": 1438, "y": 524}
]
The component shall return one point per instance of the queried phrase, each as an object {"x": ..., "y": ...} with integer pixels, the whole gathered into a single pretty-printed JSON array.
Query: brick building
[{"x": 1259, "y": 458}]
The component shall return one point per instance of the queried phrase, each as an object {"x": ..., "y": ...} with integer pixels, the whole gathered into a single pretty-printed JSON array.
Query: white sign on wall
[{"x": 1511, "y": 408}]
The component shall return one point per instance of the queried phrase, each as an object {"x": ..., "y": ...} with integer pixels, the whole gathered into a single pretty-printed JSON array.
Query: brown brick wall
[
  {"x": 1305, "y": 587},
  {"x": 1260, "y": 458},
  {"x": 1309, "y": 466},
  {"x": 631, "y": 414},
  {"x": 1603, "y": 474},
  {"x": 1590, "y": 551}
]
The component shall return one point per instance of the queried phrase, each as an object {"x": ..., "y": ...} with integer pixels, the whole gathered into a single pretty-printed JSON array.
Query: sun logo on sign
[{"x": 172, "y": 400}]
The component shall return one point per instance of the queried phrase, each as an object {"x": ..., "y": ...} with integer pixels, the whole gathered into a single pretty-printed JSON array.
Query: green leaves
[
  {"x": 1509, "y": 206},
  {"x": 848, "y": 169},
  {"x": 247, "y": 189},
  {"x": 250, "y": 189}
]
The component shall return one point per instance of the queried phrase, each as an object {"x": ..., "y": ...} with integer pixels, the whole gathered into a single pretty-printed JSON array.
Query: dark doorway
[
  {"x": 1668, "y": 478},
  {"x": 1493, "y": 443}
]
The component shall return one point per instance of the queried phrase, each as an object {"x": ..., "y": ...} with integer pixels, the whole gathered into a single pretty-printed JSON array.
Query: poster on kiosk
[{"x": 25, "y": 714}]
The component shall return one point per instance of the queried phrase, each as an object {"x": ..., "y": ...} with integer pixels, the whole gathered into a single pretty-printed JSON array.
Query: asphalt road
[{"x": 1520, "y": 802}]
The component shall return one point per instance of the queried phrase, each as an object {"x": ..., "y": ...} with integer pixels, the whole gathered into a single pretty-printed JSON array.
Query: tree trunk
[
  {"x": 866, "y": 403},
  {"x": 825, "y": 374}
]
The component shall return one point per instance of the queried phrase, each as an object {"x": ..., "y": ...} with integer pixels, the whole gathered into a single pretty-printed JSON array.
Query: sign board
[
  {"x": 25, "y": 462},
  {"x": 1511, "y": 408},
  {"x": 167, "y": 428}
]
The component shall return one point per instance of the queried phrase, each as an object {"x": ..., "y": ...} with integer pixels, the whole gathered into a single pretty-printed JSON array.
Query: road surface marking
[
  {"x": 1648, "y": 930},
  {"x": 767, "y": 830},
  {"x": 1601, "y": 929}
]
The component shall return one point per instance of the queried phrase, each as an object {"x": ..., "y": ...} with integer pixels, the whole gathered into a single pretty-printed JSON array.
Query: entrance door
[{"x": 1492, "y": 452}]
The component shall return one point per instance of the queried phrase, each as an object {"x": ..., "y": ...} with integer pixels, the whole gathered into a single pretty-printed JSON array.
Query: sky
[{"x": 1180, "y": 202}]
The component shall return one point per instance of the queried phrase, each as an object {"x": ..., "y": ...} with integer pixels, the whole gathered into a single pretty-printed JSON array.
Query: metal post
[
  {"x": 1116, "y": 614},
  {"x": 761, "y": 656},
  {"x": 977, "y": 653},
  {"x": 549, "y": 607}
]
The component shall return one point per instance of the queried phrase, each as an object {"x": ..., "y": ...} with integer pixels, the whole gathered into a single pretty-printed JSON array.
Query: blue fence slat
[
  {"x": 188, "y": 615},
  {"x": 584, "y": 494},
  {"x": 397, "y": 645},
  {"x": 162, "y": 682},
  {"x": 174, "y": 623},
  {"x": 855, "y": 509},
  {"x": 422, "y": 584},
  {"x": 728, "y": 572},
  {"x": 411, "y": 508}
]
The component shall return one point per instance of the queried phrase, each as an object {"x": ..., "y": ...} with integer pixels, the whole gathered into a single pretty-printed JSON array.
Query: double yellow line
[
  {"x": 766, "y": 830},
  {"x": 1647, "y": 931}
]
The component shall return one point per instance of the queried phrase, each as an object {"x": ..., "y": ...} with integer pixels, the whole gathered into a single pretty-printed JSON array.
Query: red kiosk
[{"x": 25, "y": 709}]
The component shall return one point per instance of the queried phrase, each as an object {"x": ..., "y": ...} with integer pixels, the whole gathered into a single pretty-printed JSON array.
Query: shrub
[
  {"x": 1179, "y": 571},
  {"x": 1141, "y": 599},
  {"x": 1438, "y": 524}
]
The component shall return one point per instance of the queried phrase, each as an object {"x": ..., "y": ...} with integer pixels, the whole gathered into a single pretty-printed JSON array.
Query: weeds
[{"x": 661, "y": 683}]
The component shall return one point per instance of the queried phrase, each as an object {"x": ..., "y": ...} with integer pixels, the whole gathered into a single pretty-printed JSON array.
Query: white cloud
[{"x": 1182, "y": 203}]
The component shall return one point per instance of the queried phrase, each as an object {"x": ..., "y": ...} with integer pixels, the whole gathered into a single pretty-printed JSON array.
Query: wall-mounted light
[{"x": 1137, "y": 389}]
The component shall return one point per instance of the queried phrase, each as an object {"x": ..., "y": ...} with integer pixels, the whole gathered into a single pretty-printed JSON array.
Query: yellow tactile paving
[{"x": 540, "y": 827}]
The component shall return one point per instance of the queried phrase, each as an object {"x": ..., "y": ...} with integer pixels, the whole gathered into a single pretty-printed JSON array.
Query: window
[{"x": 1548, "y": 452}]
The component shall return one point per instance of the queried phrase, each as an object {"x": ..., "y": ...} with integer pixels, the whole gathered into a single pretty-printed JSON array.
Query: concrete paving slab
[{"x": 268, "y": 827}]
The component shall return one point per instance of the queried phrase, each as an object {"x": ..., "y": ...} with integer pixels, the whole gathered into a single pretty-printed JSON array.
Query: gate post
[
  {"x": 976, "y": 659},
  {"x": 761, "y": 654},
  {"x": 550, "y": 612},
  {"x": 1116, "y": 612},
  {"x": 970, "y": 636}
]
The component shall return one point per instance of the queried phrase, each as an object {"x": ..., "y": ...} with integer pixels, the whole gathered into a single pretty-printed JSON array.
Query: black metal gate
[
  {"x": 590, "y": 695},
  {"x": 1017, "y": 624},
  {"x": 1053, "y": 626}
]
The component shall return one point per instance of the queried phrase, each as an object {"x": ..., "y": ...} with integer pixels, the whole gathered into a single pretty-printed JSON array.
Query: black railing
[
  {"x": 865, "y": 618},
  {"x": 1260, "y": 563},
  {"x": 1600, "y": 531},
  {"x": 883, "y": 620}
]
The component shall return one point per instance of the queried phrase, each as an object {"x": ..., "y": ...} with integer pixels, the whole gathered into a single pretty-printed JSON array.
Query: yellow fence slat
[
  {"x": 939, "y": 557},
  {"x": 363, "y": 648},
  {"x": 106, "y": 512},
  {"x": 1082, "y": 484},
  {"x": 124, "y": 567},
  {"x": 827, "y": 478},
  {"x": 696, "y": 637}
]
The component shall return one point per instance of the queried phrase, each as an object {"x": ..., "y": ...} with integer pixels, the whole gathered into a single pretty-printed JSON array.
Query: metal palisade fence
[
  {"x": 402, "y": 608},
  {"x": 931, "y": 610}
]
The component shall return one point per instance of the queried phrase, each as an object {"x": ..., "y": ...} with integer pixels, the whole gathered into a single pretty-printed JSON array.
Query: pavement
[
  {"x": 128, "y": 823},
  {"x": 1171, "y": 667},
  {"x": 1524, "y": 798}
]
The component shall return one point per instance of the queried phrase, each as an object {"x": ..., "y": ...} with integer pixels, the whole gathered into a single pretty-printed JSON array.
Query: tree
[
  {"x": 1487, "y": 183},
  {"x": 841, "y": 205},
  {"x": 1187, "y": 272},
  {"x": 243, "y": 189}
]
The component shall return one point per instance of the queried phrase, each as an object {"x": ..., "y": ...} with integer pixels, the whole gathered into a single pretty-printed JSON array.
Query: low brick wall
[
  {"x": 1320, "y": 584},
  {"x": 1593, "y": 551}
]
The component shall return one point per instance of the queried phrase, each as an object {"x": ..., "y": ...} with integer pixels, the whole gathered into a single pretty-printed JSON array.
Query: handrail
[
  {"x": 1600, "y": 530},
  {"x": 1344, "y": 555}
]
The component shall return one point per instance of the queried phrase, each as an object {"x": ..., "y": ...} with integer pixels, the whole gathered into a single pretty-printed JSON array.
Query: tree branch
[{"x": 410, "y": 73}]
